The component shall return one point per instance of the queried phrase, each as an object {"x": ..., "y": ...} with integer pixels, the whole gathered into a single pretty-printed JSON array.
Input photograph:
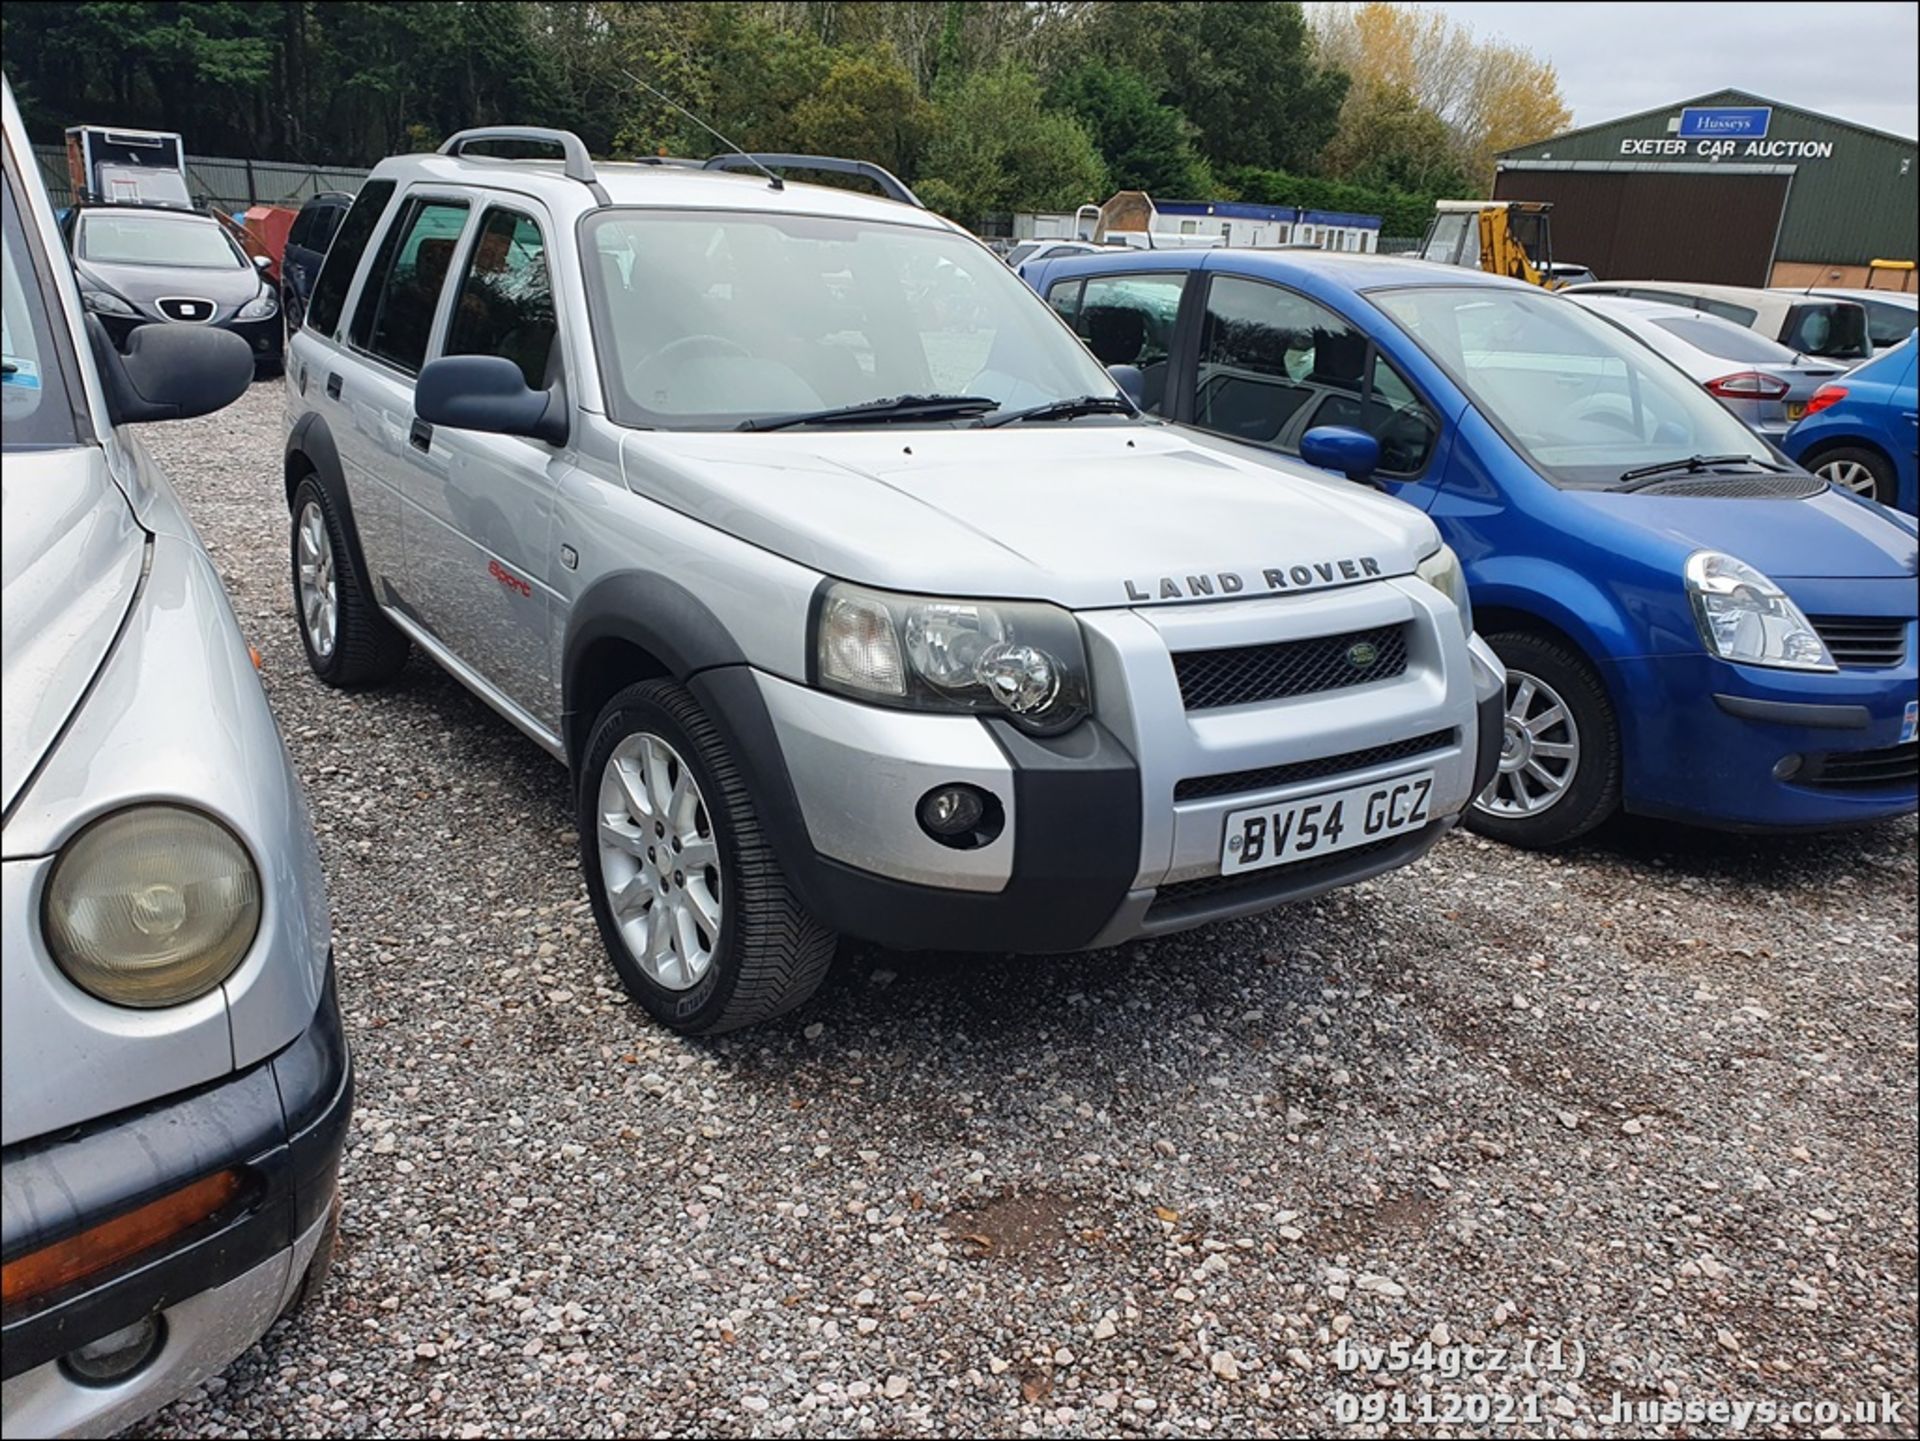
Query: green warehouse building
[{"x": 1728, "y": 188}]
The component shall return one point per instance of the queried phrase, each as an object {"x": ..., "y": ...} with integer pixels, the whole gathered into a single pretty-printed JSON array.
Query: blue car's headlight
[{"x": 1745, "y": 617}]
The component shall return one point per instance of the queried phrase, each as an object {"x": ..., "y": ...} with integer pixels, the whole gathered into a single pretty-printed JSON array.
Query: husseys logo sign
[{"x": 1311, "y": 576}]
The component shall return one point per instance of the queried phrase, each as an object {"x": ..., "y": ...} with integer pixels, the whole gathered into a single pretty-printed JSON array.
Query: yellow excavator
[{"x": 1501, "y": 237}]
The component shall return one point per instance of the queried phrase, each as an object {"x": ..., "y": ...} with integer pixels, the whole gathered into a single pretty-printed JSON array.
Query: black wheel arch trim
[{"x": 311, "y": 440}]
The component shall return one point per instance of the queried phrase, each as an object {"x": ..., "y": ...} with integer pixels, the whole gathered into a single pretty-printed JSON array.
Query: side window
[
  {"x": 326, "y": 220},
  {"x": 1273, "y": 364},
  {"x": 403, "y": 287},
  {"x": 336, "y": 275},
  {"x": 1738, "y": 314},
  {"x": 302, "y": 226},
  {"x": 1064, "y": 297},
  {"x": 1128, "y": 320},
  {"x": 505, "y": 305}
]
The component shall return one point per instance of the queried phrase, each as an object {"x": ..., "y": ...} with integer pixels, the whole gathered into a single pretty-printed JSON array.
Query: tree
[
  {"x": 1490, "y": 95},
  {"x": 1388, "y": 140},
  {"x": 1145, "y": 144},
  {"x": 1245, "y": 73},
  {"x": 867, "y": 108},
  {"x": 996, "y": 147}
]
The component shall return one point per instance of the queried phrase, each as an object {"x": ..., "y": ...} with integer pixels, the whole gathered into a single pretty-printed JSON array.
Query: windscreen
[
  {"x": 198, "y": 244},
  {"x": 1581, "y": 400},
  {"x": 707, "y": 320},
  {"x": 32, "y": 396}
]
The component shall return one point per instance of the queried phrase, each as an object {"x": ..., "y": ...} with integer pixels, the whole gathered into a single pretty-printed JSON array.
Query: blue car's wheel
[
  {"x": 1559, "y": 774},
  {"x": 1854, "y": 468}
]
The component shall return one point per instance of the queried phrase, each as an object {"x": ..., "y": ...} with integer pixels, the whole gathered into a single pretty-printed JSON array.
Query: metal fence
[
  {"x": 225, "y": 182},
  {"x": 1399, "y": 244}
]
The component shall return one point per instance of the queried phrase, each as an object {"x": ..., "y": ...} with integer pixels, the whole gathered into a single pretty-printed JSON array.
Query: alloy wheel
[
  {"x": 1848, "y": 475},
  {"x": 660, "y": 861},
  {"x": 1539, "y": 751},
  {"x": 319, "y": 590}
]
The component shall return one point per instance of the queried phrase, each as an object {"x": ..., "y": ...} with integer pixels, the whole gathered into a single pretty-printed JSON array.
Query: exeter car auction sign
[
  {"x": 1722, "y": 122},
  {"x": 1725, "y": 132}
]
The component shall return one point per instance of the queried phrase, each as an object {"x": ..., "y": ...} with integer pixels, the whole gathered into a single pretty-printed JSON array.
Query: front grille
[
  {"x": 1242, "y": 675},
  {"x": 1183, "y": 899},
  {"x": 186, "y": 307},
  {"x": 1891, "y": 768},
  {"x": 1745, "y": 487},
  {"x": 1863, "y": 640},
  {"x": 1231, "y": 782}
]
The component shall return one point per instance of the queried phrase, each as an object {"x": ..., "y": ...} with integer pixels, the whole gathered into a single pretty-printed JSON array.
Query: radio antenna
[{"x": 773, "y": 180}]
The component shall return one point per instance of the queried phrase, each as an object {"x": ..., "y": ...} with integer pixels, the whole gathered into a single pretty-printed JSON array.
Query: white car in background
[
  {"x": 1761, "y": 381},
  {"x": 1820, "y": 326},
  {"x": 1891, "y": 314}
]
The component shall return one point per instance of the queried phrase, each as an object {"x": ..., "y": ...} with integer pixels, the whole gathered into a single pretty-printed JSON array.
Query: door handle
[
  {"x": 333, "y": 386},
  {"x": 420, "y": 436}
]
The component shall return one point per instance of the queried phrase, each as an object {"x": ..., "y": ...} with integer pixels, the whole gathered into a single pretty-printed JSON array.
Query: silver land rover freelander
[{"x": 857, "y": 597}]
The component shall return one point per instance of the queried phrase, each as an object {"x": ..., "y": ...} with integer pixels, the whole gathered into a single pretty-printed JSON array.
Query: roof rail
[
  {"x": 577, "y": 164},
  {"x": 891, "y": 185}
]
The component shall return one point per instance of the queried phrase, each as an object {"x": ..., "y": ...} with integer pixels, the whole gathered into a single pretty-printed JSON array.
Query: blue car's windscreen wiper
[
  {"x": 879, "y": 412},
  {"x": 1691, "y": 465}
]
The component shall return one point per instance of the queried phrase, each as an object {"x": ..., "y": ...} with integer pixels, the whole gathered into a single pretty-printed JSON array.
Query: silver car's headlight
[
  {"x": 260, "y": 307},
  {"x": 1442, "y": 571},
  {"x": 1020, "y": 659},
  {"x": 105, "y": 302},
  {"x": 151, "y": 906},
  {"x": 1745, "y": 617}
]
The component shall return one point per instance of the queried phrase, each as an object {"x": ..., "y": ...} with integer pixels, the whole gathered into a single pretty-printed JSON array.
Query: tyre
[
  {"x": 691, "y": 902},
  {"x": 1855, "y": 468},
  {"x": 1559, "y": 773},
  {"x": 349, "y": 643}
]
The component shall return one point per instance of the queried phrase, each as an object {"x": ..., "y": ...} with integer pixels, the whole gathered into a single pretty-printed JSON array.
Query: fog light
[
  {"x": 117, "y": 1355},
  {"x": 1786, "y": 767},
  {"x": 961, "y": 816}
]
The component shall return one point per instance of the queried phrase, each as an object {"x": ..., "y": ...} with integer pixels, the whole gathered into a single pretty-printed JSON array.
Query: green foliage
[
  {"x": 1401, "y": 212},
  {"x": 866, "y": 107},
  {"x": 1389, "y": 141},
  {"x": 996, "y": 147},
  {"x": 1244, "y": 72},
  {"x": 1145, "y": 144}
]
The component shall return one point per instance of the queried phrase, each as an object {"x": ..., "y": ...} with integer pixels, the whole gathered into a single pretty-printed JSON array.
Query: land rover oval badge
[{"x": 1362, "y": 654}]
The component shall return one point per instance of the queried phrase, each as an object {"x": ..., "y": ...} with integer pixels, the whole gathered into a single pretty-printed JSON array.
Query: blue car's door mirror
[{"x": 1353, "y": 453}]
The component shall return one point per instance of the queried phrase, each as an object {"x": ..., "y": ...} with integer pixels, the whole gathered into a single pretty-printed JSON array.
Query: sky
[{"x": 1858, "y": 62}]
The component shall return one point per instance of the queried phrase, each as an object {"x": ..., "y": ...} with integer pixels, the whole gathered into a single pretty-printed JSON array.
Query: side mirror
[
  {"x": 1353, "y": 453},
  {"x": 1132, "y": 381},
  {"x": 488, "y": 392},
  {"x": 170, "y": 372},
  {"x": 262, "y": 262}
]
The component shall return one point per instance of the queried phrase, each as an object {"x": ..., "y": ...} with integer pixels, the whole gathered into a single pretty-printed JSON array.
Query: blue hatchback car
[
  {"x": 1694, "y": 627},
  {"x": 1860, "y": 432}
]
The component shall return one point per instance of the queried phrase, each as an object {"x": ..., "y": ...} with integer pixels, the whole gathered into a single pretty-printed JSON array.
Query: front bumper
[
  {"x": 1114, "y": 830},
  {"x": 264, "y": 337},
  {"x": 215, "y": 1287},
  {"x": 1751, "y": 748}
]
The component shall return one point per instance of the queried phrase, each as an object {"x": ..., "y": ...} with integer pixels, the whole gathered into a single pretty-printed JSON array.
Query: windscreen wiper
[
  {"x": 1066, "y": 410},
  {"x": 879, "y": 412},
  {"x": 1690, "y": 465}
]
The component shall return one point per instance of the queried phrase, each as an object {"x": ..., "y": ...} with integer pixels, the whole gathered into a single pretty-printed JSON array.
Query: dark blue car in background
[
  {"x": 1860, "y": 432},
  {"x": 1695, "y": 627}
]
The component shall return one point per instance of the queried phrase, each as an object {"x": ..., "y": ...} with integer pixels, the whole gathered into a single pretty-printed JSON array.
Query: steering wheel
[
  {"x": 689, "y": 345},
  {"x": 1597, "y": 412}
]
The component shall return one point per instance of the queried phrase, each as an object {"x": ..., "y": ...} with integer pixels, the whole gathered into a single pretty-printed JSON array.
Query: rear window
[
  {"x": 336, "y": 275},
  {"x": 1834, "y": 330},
  {"x": 1726, "y": 341},
  {"x": 1889, "y": 322}
]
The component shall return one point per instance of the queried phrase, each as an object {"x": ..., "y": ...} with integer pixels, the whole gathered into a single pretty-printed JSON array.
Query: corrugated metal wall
[
  {"x": 1648, "y": 225},
  {"x": 228, "y": 183},
  {"x": 1859, "y": 202}
]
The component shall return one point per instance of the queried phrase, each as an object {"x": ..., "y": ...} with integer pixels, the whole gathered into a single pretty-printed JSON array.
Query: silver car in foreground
[
  {"x": 176, "y": 1084},
  {"x": 1759, "y": 380}
]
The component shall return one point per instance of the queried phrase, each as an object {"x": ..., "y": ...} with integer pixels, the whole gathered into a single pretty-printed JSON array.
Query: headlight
[
  {"x": 1743, "y": 616},
  {"x": 1442, "y": 571},
  {"x": 1021, "y": 659},
  {"x": 151, "y": 906},
  {"x": 260, "y": 307},
  {"x": 105, "y": 302}
]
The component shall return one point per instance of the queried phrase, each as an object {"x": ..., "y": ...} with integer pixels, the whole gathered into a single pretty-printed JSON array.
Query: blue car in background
[
  {"x": 1694, "y": 627},
  {"x": 1860, "y": 432}
]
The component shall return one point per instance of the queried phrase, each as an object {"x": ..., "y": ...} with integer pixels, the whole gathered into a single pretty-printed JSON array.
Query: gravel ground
[{"x": 1632, "y": 1123}]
